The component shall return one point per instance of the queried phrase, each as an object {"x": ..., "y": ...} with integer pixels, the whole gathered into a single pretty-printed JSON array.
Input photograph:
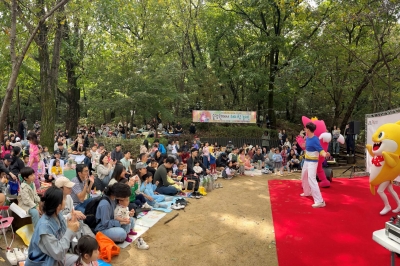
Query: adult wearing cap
[
  {"x": 5, "y": 165},
  {"x": 66, "y": 186},
  {"x": 229, "y": 147}
]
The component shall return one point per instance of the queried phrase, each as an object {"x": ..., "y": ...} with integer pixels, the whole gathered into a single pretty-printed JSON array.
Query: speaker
[{"x": 354, "y": 127}]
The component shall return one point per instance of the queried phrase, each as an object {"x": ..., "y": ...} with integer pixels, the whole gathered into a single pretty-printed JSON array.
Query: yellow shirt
[{"x": 57, "y": 170}]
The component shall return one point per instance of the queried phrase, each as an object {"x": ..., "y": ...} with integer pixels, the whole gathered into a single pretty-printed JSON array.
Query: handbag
[
  {"x": 190, "y": 184},
  {"x": 107, "y": 247},
  {"x": 13, "y": 187}
]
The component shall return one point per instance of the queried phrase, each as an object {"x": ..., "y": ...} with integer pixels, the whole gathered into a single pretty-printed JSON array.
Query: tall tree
[{"x": 16, "y": 61}]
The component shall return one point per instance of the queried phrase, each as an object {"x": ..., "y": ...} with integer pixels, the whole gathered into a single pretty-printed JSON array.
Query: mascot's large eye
[{"x": 381, "y": 135}]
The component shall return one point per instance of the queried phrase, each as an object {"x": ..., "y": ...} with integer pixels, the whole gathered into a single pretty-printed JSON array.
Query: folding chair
[{"x": 5, "y": 222}]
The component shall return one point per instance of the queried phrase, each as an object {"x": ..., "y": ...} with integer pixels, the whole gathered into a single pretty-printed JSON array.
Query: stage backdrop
[
  {"x": 206, "y": 116},
  {"x": 373, "y": 122}
]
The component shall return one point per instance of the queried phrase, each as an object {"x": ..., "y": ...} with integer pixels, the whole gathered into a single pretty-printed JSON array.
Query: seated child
[
  {"x": 124, "y": 216},
  {"x": 149, "y": 188},
  {"x": 197, "y": 168},
  {"x": 26, "y": 159},
  {"x": 28, "y": 199},
  {"x": 177, "y": 185},
  {"x": 88, "y": 251},
  {"x": 136, "y": 197},
  {"x": 227, "y": 173},
  {"x": 294, "y": 164},
  {"x": 179, "y": 171},
  {"x": 153, "y": 166},
  {"x": 41, "y": 171},
  {"x": 247, "y": 164},
  {"x": 56, "y": 170}
]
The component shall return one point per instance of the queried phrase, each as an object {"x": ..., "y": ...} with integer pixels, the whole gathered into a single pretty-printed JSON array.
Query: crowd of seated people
[{"x": 58, "y": 214}]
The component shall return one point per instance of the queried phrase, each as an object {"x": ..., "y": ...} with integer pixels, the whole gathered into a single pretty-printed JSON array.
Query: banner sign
[
  {"x": 205, "y": 116},
  {"x": 373, "y": 122}
]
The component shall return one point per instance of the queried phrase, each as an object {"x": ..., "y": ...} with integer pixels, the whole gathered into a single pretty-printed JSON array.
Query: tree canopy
[{"x": 99, "y": 59}]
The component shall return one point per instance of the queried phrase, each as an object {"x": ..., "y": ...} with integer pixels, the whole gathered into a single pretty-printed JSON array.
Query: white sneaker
[
  {"x": 147, "y": 206},
  {"x": 141, "y": 244},
  {"x": 177, "y": 206},
  {"x": 319, "y": 205},
  {"x": 18, "y": 253},
  {"x": 26, "y": 252},
  {"x": 11, "y": 257}
]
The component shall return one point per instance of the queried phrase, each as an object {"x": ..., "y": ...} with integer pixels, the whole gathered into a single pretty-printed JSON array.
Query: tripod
[{"x": 353, "y": 168}]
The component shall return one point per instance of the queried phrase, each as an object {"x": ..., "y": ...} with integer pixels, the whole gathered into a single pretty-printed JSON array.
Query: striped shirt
[{"x": 313, "y": 149}]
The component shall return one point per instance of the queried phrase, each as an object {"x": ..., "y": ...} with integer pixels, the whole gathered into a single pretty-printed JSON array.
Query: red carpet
[{"x": 339, "y": 234}]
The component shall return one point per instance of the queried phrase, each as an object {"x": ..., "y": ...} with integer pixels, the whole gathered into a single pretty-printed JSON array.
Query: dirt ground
[{"x": 230, "y": 226}]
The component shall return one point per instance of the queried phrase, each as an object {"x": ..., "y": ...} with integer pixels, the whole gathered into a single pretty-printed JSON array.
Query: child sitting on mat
[
  {"x": 28, "y": 198},
  {"x": 149, "y": 188},
  {"x": 123, "y": 215},
  {"x": 178, "y": 185},
  {"x": 247, "y": 164}
]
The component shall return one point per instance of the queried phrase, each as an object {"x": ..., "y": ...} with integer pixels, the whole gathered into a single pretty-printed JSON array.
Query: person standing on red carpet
[{"x": 309, "y": 172}]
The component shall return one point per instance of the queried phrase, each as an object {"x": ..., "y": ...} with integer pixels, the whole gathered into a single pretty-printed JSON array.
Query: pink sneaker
[
  {"x": 132, "y": 233},
  {"x": 128, "y": 239}
]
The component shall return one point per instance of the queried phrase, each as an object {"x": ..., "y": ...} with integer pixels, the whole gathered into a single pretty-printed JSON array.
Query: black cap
[
  {"x": 8, "y": 157},
  {"x": 56, "y": 152}
]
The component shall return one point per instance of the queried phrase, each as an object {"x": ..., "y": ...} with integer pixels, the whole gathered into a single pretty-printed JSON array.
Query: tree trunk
[
  {"x": 16, "y": 62},
  {"x": 18, "y": 105},
  {"x": 73, "y": 97},
  {"x": 73, "y": 91},
  {"x": 48, "y": 81},
  {"x": 273, "y": 63}
]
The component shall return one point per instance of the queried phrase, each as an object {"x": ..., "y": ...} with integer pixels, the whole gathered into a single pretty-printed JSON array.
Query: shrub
[{"x": 132, "y": 145}]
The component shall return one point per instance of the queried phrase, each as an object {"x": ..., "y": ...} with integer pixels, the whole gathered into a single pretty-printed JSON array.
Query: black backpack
[{"x": 90, "y": 212}]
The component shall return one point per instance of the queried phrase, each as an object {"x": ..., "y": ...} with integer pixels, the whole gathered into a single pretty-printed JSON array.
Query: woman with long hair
[
  {"x": 118, "y": 174},
  {"x": 114, "y": 228},
  {"x": 52, "y": 236},
  {"x": 6, "y": 148}
]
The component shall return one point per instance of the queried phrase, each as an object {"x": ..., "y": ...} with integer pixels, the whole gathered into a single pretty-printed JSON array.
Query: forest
[{"x": 72, "y": 61}]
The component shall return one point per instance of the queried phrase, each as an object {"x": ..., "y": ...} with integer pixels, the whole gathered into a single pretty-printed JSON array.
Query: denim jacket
[{"x": 39, "y": 251}]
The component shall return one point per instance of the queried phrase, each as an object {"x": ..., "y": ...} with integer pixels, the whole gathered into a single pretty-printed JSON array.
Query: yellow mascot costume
[{"x": 385, "y": 162}]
